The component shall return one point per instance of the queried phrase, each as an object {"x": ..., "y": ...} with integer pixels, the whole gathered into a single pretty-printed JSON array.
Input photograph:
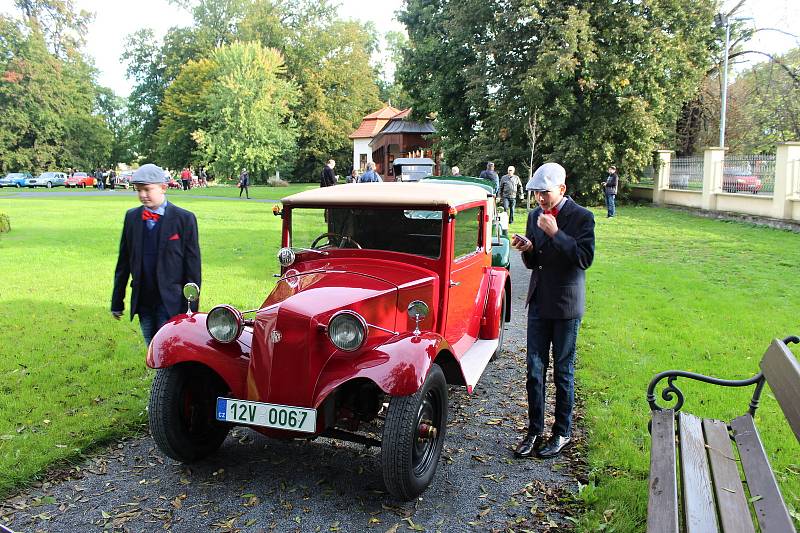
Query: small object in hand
[{"x": 520, "y": 240}]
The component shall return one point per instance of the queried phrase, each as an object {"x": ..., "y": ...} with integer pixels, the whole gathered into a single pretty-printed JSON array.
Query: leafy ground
[{"x": 667, "y": 290}]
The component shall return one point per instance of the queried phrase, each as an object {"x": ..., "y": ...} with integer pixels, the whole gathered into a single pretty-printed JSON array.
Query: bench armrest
[{"x": 673, "y": 393}]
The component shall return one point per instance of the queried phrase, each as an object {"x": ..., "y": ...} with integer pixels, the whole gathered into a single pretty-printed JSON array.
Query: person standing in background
[
  {"x": 328, "y": 178},
  {"x": 370, "y": 175},
  {"x": 244, "y": 181},
  {"x": 490, "y": 174},
  {"x": 186, "y": 177},
  {"x": 610, "y": 186},
  {"x": 510, "y": 189}
]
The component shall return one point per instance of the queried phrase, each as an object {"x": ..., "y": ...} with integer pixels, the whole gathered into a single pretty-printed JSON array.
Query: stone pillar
[
  {"x": 787, "y": 174},
  {"x": 662, "y": 177},
  {"x": 713, "y": 162}
]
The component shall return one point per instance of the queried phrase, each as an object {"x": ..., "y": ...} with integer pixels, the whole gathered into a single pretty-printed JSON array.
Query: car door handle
[{"x": 454, "y": 283}]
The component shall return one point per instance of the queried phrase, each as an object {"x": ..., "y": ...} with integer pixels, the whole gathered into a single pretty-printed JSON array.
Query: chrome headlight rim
[
  {"x": 359, "y": 320},
  {"x": 237, "y": 317}
]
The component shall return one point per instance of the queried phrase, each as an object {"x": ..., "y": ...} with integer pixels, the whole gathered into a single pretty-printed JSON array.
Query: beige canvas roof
[{"x": 389, "y": 194}]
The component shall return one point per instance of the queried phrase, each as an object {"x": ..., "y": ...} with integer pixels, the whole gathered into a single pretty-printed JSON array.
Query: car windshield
[
  {"x": 16, "y": 175},
  {"x": 414, "y": 232},
  {"x": 80, "y": 174}
]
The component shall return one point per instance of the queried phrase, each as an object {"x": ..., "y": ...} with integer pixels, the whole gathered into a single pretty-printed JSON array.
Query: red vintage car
[
  {"x": 80, "y": 179},
  {"x": 386, "y": 296}
]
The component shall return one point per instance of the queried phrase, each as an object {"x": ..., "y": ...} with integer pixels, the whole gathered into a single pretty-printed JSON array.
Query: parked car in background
[
  {"x": 740, "y": 180},
  {"x": 501, "y": 245},
  {"x": 172, "y": 183},
  {"x": 386, "y": 297},
  {"x": 47, "y": 179},
  {"x": 80, "y": 180},
  {"x": 123, "y": 180},
  {"x": 15, "y": 179}
]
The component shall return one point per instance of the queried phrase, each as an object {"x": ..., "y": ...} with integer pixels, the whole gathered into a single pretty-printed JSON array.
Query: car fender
[
  {"x": 185, "y": 339},
  {"x": 399, "y": 367},
  {"x": 499, "y": 282}
]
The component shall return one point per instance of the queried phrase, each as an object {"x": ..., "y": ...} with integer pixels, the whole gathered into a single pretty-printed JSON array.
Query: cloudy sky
[{"x": 115, "y": 19}]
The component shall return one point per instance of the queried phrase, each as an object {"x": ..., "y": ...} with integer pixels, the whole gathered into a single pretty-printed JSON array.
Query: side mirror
[
  {"x": 418, "y": 311},
  {"x": 191, "y": 291}
]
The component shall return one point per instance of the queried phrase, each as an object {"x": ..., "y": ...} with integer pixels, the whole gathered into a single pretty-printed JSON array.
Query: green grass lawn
[{"x": 667, "y": 290}]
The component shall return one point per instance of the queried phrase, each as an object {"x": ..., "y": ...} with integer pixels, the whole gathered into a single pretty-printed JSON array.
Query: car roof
[
  {"x": 414, "y": 161},
  {"x": 389, "y": 194}
]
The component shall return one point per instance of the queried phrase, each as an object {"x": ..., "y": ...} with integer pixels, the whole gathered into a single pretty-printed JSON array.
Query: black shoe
[
  {"x": 554, "y": 446},
  {"x": 529, "y": 446}
]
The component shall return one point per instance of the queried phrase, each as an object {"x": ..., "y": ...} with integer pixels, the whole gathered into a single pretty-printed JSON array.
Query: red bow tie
[
  {"x": 149, "y": 215},
  {"x": 553, "y": 212}
]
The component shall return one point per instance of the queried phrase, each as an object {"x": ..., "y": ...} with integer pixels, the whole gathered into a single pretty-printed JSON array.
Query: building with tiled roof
[{"x": 386, "y": 135}]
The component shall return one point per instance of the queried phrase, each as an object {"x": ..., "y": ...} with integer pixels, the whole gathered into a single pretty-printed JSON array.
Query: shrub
[
  {"x": 277, "y": 182},
  {"x": 5, "y": 223}
]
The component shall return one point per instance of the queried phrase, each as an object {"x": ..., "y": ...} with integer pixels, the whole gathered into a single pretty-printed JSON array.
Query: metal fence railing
[
  {"x": 686, "y": 173},
  {"x": 754, "y": 174}
]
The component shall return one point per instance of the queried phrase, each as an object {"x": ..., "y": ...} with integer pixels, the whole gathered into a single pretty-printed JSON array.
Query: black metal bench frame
[{"x": 695, "y": 459}]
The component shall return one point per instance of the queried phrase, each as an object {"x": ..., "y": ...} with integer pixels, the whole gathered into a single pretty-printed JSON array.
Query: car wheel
[
  {"x": 16, "y": 185},
  {"x": 49, "y": 185},
  {"x": 413, "y": 435},
  {"x": 182, "y": 409},
  {"x": 502, "y": 333}
]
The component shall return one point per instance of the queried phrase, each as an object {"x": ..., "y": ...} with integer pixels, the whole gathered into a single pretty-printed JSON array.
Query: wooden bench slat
[
  {"x": 698, "y": 503},
  {"x": 734, "y": 513},
  {"x": 662, "y": 504},
  {"x": 768, "y": 503},
  {"x": 782, "y": 371}
]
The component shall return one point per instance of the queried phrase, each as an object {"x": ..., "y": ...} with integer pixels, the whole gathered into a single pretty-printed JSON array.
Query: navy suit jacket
[
  {"x": 558, "y": 280},
  {"x": 178, "y": 260}
]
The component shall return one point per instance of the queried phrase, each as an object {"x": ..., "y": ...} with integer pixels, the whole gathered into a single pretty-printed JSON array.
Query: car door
[{"x": 468, "y": 263}]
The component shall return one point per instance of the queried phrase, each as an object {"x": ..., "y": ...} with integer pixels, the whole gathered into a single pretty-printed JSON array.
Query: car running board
[{"x": 474, "y": 361}]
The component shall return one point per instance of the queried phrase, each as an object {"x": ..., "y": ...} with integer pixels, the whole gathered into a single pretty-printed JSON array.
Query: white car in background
[{"x": 47, "y": 179}]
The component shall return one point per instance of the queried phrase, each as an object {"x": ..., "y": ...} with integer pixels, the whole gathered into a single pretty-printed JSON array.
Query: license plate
[{"x": 267, "y": 415}]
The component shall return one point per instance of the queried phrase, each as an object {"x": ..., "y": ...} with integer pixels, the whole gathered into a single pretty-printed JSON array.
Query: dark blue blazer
[
  {"x": 178, "y": 260},
  {"x": 558, "y": 264}
]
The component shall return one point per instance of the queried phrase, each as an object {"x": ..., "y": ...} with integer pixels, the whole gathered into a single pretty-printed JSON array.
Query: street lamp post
[{"x": 719, "y": 21}]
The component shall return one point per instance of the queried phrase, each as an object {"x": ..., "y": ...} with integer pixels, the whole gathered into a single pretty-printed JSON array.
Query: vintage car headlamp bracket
[
  {"x": 235, "y": 326},
  {"x": 333, "y": 330}
]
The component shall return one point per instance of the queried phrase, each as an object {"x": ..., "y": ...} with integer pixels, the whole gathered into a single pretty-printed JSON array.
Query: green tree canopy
[
  {"x": 603, "y": 81},
  {"x": 246, "y": 112}
]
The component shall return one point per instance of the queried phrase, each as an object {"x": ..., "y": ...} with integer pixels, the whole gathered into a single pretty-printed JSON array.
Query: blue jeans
[
  {"x": 509, "y": 204},
  {"x": 612, "y": 209},
  {"x": 563, "y": 335},
  {"x": 150, "y": 320}
]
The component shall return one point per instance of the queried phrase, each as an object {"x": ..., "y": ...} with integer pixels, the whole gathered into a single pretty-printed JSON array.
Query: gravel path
[{"x": 258, "y": 484}]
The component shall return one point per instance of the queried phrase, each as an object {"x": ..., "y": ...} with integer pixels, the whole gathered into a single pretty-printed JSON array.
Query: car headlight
[
  {"x": 224, "y": 323},
  {"x": 347, "y": 330}
]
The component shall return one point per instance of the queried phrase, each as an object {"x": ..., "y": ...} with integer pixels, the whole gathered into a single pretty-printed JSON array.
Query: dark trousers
[
  {"x": 185, "y": 185},
  {"x": 151, "y": 319},
  {"x": 509, "y": 204},
  {"x": 244, "y": 189},
  {"x": 563, "y": 336},
  {"x": 612, "y": 209}
]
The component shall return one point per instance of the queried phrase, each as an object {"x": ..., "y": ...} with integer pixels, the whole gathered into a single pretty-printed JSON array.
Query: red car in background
[
  {"x": 740, "y": 180},
  {"x": 80, "y": 179}
]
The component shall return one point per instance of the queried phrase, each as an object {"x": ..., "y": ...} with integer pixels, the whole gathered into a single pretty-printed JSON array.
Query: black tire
[
  {"x": 409, "y": 462},
  {"x": 182, "y": 408},
  {"x": 17, "y": 185},
  {"x": 49, "y": 185},
  {"x": 502, "y": 332}
]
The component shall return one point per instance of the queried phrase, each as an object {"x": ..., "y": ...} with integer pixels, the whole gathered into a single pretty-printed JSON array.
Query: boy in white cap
[
  {"x": 159, "y": 250},
  {"x": 558, "y": 248}
]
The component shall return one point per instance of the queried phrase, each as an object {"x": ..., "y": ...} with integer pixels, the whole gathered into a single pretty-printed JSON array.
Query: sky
[{"x": 116, "y": 19}]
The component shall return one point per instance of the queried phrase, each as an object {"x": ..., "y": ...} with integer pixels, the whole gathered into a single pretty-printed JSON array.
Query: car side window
[{"x": 468, "y": 234}]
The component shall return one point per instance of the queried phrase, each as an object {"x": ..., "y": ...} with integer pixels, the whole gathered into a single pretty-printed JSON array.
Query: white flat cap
[
  {"x": 547, "y": 177},
  {"x": 147, "y": 174}
]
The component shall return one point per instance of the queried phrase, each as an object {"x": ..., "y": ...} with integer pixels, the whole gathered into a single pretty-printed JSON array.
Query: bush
[
  {"x": 277, "y": 182},
  {"x": 5, "y": 223}
]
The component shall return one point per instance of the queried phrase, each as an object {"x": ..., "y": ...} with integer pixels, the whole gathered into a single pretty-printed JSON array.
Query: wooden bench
[{"x": 695, "y": 481}]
